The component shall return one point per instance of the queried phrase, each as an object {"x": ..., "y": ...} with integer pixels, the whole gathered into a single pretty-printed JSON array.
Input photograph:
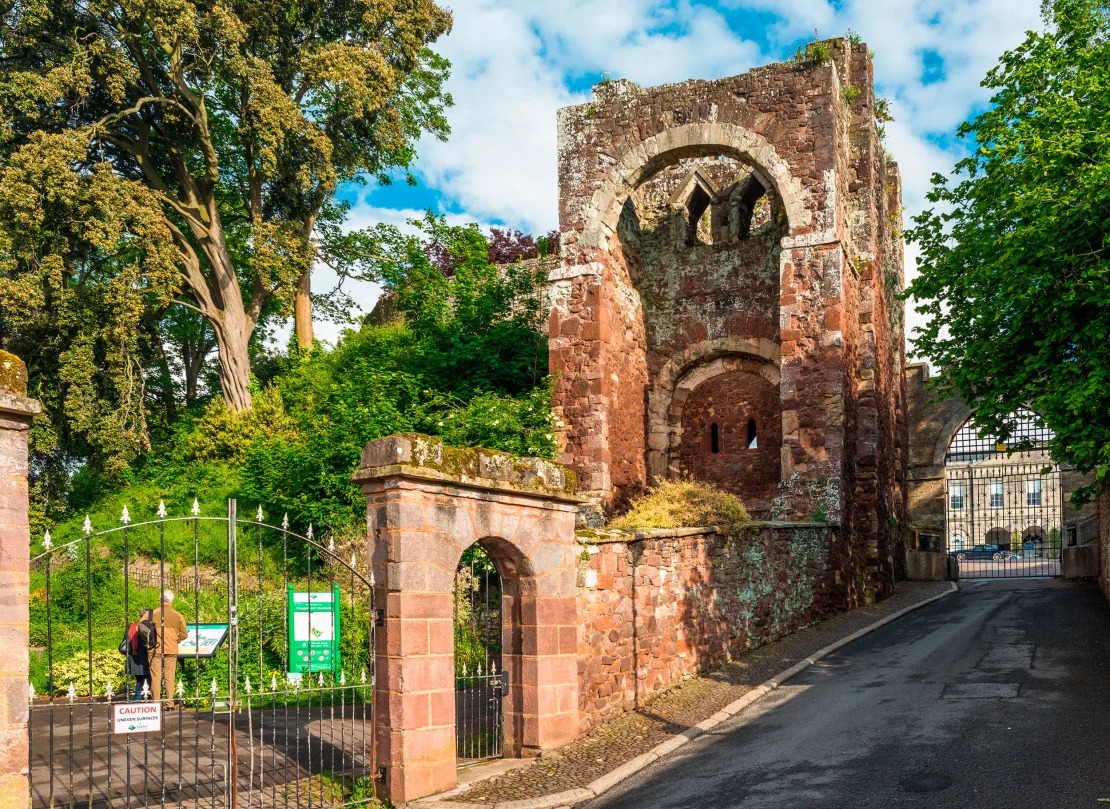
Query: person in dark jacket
[{"x": 138, "y": 665}]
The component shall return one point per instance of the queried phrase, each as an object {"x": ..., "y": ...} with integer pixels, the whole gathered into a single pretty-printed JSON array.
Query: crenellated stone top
[
  {"x": 13, "y": 387},
  {"x": 425, "y": 457}
]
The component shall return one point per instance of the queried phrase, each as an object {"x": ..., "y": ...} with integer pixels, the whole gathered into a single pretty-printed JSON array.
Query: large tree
[
  {"x": 1015, "y": 270},
  {"x": 187, "y": 150}
]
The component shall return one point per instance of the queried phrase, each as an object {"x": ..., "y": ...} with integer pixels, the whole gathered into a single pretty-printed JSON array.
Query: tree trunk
[
  {"x": 302, "y": 311},
  {"x": 232, "y": 339}
]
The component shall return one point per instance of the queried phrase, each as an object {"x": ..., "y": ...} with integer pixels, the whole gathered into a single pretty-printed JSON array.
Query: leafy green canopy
[
  {"x": 465, "y": 359},
  {"x": 1015, "y": 277},
  {"x": 153, "y": 150}
]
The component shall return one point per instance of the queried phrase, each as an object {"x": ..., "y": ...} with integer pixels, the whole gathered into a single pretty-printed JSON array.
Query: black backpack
[{"x": 148, "y": 634}]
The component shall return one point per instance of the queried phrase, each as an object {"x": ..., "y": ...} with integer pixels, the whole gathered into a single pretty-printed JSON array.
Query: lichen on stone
[{"x": 13, "y": 374}]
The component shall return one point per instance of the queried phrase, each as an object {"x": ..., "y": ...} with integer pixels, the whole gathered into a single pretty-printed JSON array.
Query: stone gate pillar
[
  {"x": 16, "y": 412},
  {"x": 426, "y": 503}
]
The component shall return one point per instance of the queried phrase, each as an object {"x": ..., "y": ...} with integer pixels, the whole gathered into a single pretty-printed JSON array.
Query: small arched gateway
[{"x": 426, "y": 505}]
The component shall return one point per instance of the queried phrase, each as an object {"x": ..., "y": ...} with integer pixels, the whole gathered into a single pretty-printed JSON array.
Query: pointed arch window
[{"x": 696, "y": 206}]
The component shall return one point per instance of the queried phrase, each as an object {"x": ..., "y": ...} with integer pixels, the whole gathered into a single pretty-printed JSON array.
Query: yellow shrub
[
  {"x": 224, "y": 435},
  {"x": 682, "y": 504}
]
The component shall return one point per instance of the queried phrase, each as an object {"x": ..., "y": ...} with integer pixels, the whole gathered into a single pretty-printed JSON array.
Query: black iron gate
[
  {"x": 1004, "y": 506},
  {"x": 270, "y": 705},
  {"x": 480, "y": 679}
]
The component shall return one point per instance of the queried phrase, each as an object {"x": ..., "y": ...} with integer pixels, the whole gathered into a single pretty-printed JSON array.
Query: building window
[
  {"x": 714, "y": 439},
  {"x": 998, "y": 494},
  {"x": 1033, "y": 493},
  {"x": 753, "y": 439},
  {"x": 957, "y": 542},
  {"x": 957, "y": 492}
]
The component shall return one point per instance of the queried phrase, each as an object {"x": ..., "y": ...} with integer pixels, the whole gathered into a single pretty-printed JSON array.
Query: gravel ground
[{"x": 607, "y": 747}]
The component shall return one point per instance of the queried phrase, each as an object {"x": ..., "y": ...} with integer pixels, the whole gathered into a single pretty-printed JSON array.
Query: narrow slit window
[
  {"x": 753, "y": 437},
  {"x": 714, "y": 439}
]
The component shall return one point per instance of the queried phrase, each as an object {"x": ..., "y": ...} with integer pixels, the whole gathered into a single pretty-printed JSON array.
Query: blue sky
[{"x": 515, "y": 62}]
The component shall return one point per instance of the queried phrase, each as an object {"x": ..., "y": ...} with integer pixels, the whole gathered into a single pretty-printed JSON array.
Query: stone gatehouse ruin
[{"x": 727, "y": 307}]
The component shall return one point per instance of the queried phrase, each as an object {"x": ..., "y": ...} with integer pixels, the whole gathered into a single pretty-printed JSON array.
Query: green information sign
[{"x": 313, "y": 631}]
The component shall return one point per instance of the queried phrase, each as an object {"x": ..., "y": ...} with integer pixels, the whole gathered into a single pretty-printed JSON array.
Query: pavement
[
  {"x": 996, "y": 696},
  {"x": 604, "y": 755}
]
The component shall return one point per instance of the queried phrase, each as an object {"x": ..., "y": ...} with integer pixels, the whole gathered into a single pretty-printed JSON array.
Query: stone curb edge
[{"x": 567, "y": 799}]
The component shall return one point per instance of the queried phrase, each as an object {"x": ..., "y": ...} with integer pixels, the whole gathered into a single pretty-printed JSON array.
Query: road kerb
[{"x": 572, "y": 797}]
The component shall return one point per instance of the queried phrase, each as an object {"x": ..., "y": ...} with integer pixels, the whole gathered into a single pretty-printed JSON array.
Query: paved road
[{"x": 997, "y": 696}]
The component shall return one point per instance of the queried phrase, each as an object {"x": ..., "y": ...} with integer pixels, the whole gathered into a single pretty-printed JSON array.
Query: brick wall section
[
  {"x": 729, "y": 401},
  {"x": 932, "y": 423},
  {"x": 654, "y": 610},
  {"x": 16, "y": 412},
  {"x": 646, "y": 298}
]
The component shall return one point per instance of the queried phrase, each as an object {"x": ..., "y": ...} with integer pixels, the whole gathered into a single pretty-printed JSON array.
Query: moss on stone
[
  {"x": 431, "y": 453},
  {"x": 13, "y": 374}
]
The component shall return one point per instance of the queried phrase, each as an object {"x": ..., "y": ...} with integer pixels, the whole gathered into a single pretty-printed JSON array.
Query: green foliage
[
  {"x": 853, "y": 37},
  {"x": 883, "y": 115},
  {"x": 818, "y": 52},
  {"x": 683, "y": 504},
  {"x": 815, "y": 52},
  {"x": 107, "y": 672},
  {"x": 520, "y": 425},
  {"x": 467, "y": 362},
  {"x": 850, "y": 94},
  {"x": 1015, "y": 274},
  {"x": 224, "y": 435},
  {"x": 153, "y": 152}
]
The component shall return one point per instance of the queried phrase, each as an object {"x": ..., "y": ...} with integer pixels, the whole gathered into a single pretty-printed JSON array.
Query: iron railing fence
[
  {"x": 263, "y": 706},
  {"x": 1004, "y": 519}
]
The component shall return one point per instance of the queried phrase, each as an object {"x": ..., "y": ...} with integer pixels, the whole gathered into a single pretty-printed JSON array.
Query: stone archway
[
  {"x": 427, "y": 503},
  {"x": 721, "y": 418},
  {"x": 691, "y": 140}
]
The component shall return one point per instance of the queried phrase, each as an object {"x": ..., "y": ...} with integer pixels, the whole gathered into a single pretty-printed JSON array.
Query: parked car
[
  {"x": 1012, "y": 556},
  {"x": 978, "y": 552}
]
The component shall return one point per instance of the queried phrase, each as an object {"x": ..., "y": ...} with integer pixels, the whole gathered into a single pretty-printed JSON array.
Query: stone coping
[
  {"x": 602, "y": 536},
  {"x": 18, "y": 405},
  {"x": 423, "y": 457}
]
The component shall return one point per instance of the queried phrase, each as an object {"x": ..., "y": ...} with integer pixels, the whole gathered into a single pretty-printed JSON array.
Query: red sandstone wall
[
  {"x": 647, "y": 298},
  {"x": 730, "y": 401},
  {"x": 654, "y": 611}
]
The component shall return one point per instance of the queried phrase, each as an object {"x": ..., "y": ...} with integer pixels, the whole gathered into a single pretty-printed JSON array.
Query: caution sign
[{"x": 136, "y": 717}]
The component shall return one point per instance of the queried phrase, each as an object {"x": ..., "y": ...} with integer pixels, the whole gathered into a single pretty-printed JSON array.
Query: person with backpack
[
  {"x": 171, "y": 630},
  {"x": 137, "y": 641}
]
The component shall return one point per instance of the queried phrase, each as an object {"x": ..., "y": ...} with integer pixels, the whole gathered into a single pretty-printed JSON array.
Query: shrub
[
  {"x": 818, "y": 52},
  {"x": 221, "y": 434},
  {"x": 684, "y": 503},
  {"x": 107, "y": 670}
]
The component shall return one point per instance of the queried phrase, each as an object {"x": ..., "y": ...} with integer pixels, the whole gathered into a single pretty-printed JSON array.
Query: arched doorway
[
  {"x": 1004, "y": 499},
  {"x": 480, "y": 677}
]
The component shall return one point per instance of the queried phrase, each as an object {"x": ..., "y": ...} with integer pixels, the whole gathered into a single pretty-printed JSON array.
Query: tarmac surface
[{"x": 997, "y": 696}]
